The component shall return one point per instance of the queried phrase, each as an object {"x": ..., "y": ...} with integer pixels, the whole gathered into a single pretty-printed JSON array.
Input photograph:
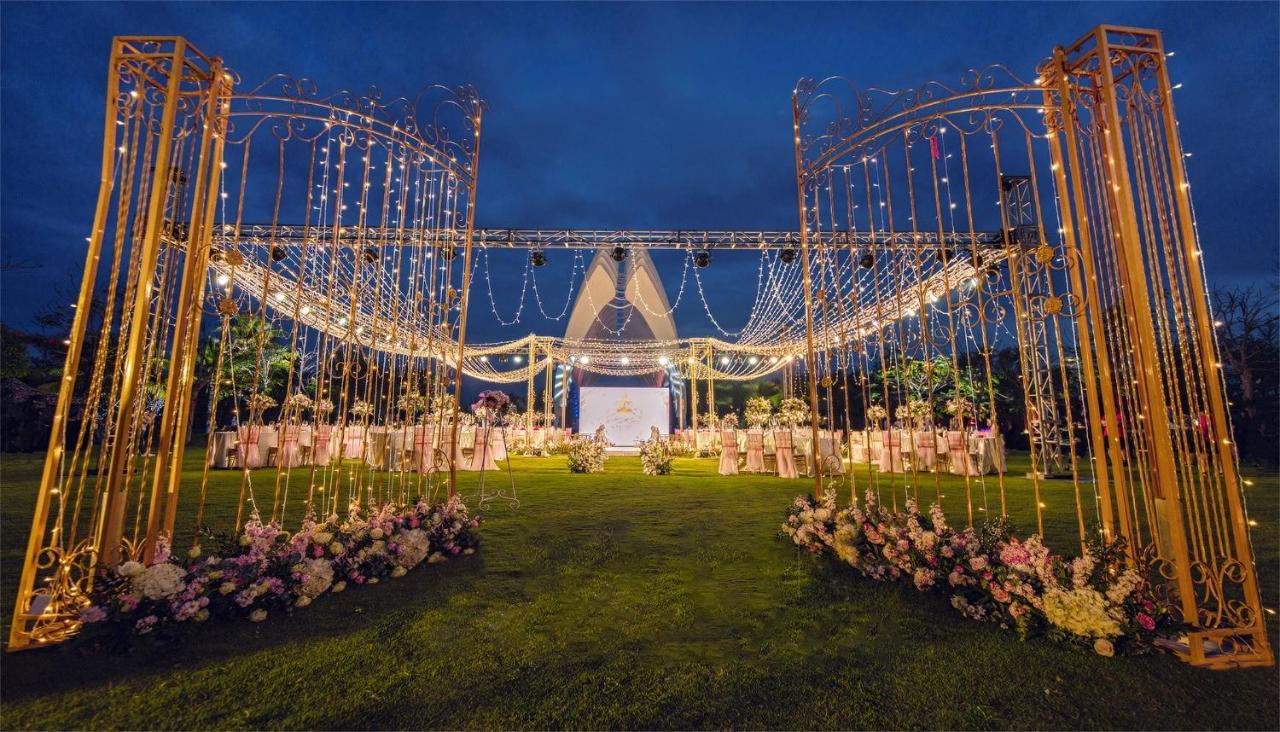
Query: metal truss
[{"x": 691, "y": 239}]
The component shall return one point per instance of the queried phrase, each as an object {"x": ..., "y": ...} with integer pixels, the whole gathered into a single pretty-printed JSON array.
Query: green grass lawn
[{"x": 622, "y": 600}]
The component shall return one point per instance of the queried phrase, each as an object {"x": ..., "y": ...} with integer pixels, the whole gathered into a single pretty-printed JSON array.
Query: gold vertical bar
[
  {"x": 810, "y": 366},
  {"x": 116, "y": 485},
  {"x": 1134, "y": 273},
  {"x": 466, "y": 298},
  {"x": 186, "y": 332}
]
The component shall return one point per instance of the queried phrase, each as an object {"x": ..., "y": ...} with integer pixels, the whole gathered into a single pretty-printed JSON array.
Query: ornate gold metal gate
[{"x": 1094, "y": 279}]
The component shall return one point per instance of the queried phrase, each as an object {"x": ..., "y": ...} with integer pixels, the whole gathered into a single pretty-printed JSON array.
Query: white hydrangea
[
  {"x": 414, "y": 545},
  {"x": 1082, "y": 611},
  {"x": 319, "y": 576},
  {"x": 160, "y": 581}
]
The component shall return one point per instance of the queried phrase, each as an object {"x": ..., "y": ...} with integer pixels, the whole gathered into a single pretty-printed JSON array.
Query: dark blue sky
[{"x": 622, "y": 116}]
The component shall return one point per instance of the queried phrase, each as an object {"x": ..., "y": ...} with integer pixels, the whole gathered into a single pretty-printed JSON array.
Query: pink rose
[{"x": 1146, "y": 621}]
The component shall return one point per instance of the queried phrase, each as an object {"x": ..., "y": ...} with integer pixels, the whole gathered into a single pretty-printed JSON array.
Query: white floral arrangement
[
  {"x": 361, "y": 408},
  {"x": 729, "y": 421},
  {"x": 915, "y": 413},
  {"x": 323, "y": 406},
  {"x": 655, "y": 457},
  {"x": 793, "y": 412},
  {"x": 757, "y": 412},
  {"x": 877, "y": 414},
  {"x": 586, "y": 455},
  {"x": 412, "y": 403}
]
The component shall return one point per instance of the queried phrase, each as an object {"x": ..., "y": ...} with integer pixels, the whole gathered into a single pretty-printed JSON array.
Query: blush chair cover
[
  {"x": 891, "y": 453},
  {"x": 250, "y": 457},
  {"x": 728, "y": 453},
  {"x": 290, "y": 455},
  {"x": 926, "y": 450},
  {"x": 320, "y": 454},
  {"x": 786, "y": 455},
  {"x": 755, "y": 451},
  {"x": 482, "y": 454},
  {"x": 958, "y": 450},
  {"x": 423, "y": 454}
]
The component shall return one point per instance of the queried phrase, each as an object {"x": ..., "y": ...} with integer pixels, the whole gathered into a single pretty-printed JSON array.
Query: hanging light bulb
[
  {"x": 538, "y": 258},
  {"x": 663, "y": 361},
  {"x": 618, "y": 254},
  {"x": 867, "y": 261},
  {"x": 787, "y": 255},
  {"x": 702, "y": 258},
  {"x": 277, "y": 253},
  {"x": 624, "y": 360}
]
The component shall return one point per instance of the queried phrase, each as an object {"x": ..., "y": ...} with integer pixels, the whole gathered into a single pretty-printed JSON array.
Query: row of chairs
[
  {"x": 418, "y": 453},
  {"x": 781, "y": 461}
]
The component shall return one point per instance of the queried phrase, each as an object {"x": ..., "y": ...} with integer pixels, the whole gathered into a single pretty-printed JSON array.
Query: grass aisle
[{"x": 621, "y": 600}]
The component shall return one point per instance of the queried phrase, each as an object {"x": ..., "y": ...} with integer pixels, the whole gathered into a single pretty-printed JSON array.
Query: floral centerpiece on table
[
  {"x": 323, "y": 406},
  {"x": 260, "y": 402},
  {"x": 793, "y": 412},
  {"x": 586, "y": 455},
  {"x": 411, "y": 404},
  {"x": 757, "y": 412},
  {"x": 876, "y": 415},
  {"x": 655, "y": 457},
  {"x": 361, "y": 408},
  {"x": 915, "y": 413},
  {"x": 491, "y": 407},
  {"x": 1091, "y": 601},
  {"x": 960, "y": 409},
  {"x": 299, "y": 402},
  {"x": 266, "y": 569}
]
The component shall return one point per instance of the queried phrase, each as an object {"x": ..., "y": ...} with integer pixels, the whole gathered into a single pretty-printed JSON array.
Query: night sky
[{"x": 621, "y": 116}]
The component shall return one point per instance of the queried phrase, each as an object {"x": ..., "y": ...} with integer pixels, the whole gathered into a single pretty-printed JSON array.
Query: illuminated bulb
[
  {"x": 1253, "y": 522},
  {"x": 624, "y": 360},
  {"x": 724, "y": 360},
  {"x": 305, "y": 309},
  {"x": 223, "y": 280},
  {"x": 753, "y": 360},
  {"x": 663, "y": 360},
  {"x": 279, "y": 297},
  {"x": 515, "y": 359},
  {"x": 773, "y": 359},
  {"x": 484, "y": 358},
  {"x": 586, "y": 359}
]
